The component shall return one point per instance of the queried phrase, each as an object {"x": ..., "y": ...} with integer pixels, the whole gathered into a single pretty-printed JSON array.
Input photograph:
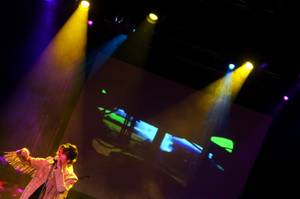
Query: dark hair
[{"x": 71, "y": 151}]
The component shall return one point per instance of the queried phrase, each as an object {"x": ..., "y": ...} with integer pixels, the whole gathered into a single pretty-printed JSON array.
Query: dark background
[{"x": 197, "y": 45}]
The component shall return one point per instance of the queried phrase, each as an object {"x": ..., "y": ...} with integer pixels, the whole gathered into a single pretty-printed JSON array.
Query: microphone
[
  {"x": 54, "y": 164},
  {"x": 55, "y": 160}
]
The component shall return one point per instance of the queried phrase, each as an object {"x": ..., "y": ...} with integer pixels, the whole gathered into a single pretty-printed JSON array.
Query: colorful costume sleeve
[
  {"x": 19, "y": 163},
  {"x": 38, "y": 162}
]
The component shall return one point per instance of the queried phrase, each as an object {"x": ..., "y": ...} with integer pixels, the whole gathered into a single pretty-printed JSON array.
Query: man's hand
[
  {"x": 24, "y": 153},
  {"x": 59, "y": 165}
]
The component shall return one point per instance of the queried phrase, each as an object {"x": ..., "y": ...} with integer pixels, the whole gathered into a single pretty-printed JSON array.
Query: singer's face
[{"x": 61, "y": 156}]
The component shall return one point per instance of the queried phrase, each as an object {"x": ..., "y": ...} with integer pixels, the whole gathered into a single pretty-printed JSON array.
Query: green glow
[
  {"x": 223, "y": 142},
  {"x": 104, "y": 91},
  {"x": 117, "y": 118},
  {"x": 112, "y": 126},
  {"x": 113, "y": 116}
]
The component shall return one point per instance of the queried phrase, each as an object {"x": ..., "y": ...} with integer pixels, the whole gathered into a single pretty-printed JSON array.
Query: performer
[{"x": 52, "y": 177}]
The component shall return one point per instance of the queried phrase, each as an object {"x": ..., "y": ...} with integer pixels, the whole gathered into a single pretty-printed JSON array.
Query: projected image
[
  {"x": 168, "y": 139},
  {"x": 129, "y": 136}
]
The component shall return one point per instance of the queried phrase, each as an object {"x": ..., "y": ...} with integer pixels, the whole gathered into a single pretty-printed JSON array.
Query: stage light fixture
[
  {"x": 90, "y": 22},
  {"x": 249, "y": 65},
  {"x": 152, "y": 18},
  {"x": 231, "y": 66},
  {"x": 85, "y": 4}
]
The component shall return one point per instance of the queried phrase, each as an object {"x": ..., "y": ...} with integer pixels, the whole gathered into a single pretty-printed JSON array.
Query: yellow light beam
[
  {"x": 203, "y": 112},
  {"x": 239, "y": 77},
  {"x": 52, "y": 85},
  {"x": 67, "y": 49}
]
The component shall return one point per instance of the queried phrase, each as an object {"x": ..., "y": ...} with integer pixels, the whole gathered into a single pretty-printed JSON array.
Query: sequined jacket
[{"x": 58, "y": 183}]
